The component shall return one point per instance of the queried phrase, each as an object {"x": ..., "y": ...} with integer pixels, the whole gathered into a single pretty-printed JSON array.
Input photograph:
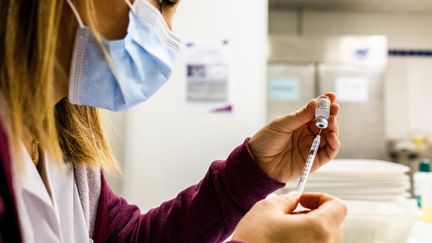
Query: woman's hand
[
  {"x": 281, "y": 147},
  {"x": 271, "y": 220}
]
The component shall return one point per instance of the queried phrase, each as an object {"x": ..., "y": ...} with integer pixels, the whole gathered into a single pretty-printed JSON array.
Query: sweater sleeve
[{"x": 206, "y": 212}]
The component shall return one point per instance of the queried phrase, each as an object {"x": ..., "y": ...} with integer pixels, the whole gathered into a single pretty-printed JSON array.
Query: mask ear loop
[
  {"x": 75, "y": 11},
  {"x": 129, "y": 4}
]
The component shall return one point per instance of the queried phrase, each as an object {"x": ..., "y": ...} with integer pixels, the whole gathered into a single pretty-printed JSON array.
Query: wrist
[
  {"x": 235, "y": 238},
  {"x": 268, "y": 168}
]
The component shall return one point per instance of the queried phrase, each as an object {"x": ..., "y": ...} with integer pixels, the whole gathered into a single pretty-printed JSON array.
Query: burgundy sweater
[{"x": 205, "y": 212}]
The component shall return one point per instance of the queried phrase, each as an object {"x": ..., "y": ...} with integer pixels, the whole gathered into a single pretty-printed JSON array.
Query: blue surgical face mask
[{"x": 131, "y": 70}]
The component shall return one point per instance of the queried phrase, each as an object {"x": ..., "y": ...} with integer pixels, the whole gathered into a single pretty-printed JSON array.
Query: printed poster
[{"x": 208, "y": 76}]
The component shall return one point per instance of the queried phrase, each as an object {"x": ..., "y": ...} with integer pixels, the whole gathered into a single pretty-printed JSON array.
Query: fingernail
[{"x": 294, "y": 194}]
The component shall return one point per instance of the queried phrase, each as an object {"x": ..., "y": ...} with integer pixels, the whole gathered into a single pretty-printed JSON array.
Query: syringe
[{"x": 309, "y": 162}]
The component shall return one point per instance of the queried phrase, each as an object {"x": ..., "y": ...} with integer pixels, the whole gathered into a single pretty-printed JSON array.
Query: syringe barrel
[
  {"x": 309, "y": 163},
  {"x": 315, "y": 143}
]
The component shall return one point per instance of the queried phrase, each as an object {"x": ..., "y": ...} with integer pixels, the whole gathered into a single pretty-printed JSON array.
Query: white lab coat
[{"x": 58, "y": 218}]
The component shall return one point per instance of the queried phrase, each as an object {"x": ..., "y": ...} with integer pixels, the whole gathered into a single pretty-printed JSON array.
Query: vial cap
[
  {"x": 321, "y": 123},
  {"x": 424, "y": 166}
]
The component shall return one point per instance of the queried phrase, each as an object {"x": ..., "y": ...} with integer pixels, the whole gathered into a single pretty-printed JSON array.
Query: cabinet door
[
  {"x": 361, "y": 120},
  {"x": 289, "y": 87}
]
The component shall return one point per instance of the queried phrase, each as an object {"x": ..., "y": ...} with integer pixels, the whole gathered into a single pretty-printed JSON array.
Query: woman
[{"x": 57, "y": 66}]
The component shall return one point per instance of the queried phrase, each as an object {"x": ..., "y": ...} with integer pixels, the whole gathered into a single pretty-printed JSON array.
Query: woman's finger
[
  {"x": 293, "y": 121},
  {"x": 331, "y": 96},
  {"x": 334, "y": 109},
  {"x": 328, "y": 152},
  {"x": 338, "y": 235},
  {"x": 329, "y": 209},
  {"x": 333, "y": 125}
]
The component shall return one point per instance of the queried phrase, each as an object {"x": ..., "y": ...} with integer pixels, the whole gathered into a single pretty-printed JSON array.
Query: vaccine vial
[{"x": 322, "y": 112}]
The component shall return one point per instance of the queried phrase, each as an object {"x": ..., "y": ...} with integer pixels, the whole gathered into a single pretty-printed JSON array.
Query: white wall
[
  {"x": 407, "y": 82},
  {"x": 114, "y": 123},
  {"x": 168, "y": 149}
]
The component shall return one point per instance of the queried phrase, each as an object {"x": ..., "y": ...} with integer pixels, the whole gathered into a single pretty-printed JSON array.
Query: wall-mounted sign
[
  {"x": 208, "y": 76},
  {"x": 283, "y": 89},
  {"x": 352, "y": 89}
]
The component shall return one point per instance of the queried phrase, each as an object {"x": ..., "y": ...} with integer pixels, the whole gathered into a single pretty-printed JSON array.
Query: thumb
[
  {"x": 297, "y": 119},
  {"x": 288, "y": 202}
]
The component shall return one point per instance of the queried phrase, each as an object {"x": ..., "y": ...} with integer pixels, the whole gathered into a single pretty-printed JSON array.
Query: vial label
[{"x": 323, "y": 108}]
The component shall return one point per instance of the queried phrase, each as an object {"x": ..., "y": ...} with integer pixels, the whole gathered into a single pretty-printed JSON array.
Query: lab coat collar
[{"x": 31, "y": 181}]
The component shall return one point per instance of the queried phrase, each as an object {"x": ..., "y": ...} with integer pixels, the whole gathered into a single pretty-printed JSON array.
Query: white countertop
[{"x": 421, "y": 233}]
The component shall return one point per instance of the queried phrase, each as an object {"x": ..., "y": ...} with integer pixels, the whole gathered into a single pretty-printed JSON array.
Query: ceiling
[{"x": 357, "y": 5}]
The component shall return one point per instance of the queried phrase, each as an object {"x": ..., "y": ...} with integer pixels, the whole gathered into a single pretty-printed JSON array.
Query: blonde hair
[{"x": 30, "y": 34}]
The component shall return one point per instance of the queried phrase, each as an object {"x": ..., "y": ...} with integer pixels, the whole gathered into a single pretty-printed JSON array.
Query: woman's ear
[
  {"x": 111, "y": 18},
  {"x": 169, "y": 3},
  {"x": 168, "y": 9},
  {"x": 155, "y": 3}
]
